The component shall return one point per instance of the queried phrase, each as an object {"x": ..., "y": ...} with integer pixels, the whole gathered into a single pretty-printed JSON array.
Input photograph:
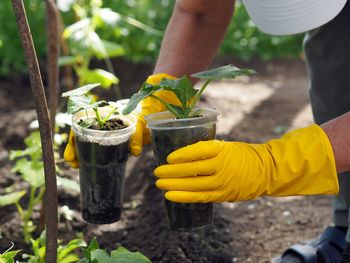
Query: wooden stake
[{"x": 45, "y": 131}]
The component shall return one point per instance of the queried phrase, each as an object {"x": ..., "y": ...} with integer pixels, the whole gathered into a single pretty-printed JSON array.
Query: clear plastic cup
[
  {"x": 169, "y": 134},
  {"x": 102, "y": 160}
]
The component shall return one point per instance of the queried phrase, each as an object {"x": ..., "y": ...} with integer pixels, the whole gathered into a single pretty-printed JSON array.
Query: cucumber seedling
[{"x": 184, "y": 90}]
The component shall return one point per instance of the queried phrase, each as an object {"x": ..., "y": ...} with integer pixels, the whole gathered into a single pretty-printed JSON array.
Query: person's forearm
[
  {"x": 338, "y": 132},
  {"x": 193, "y": 35}
]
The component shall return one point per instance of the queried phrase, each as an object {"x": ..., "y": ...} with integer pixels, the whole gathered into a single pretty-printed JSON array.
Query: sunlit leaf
[
  {"x": 104, "y": 78},
  {"x": 9, "y": 199},
  {"x": 135, "y": 99},
  {"x": 68, "y": 183},
  {"x": 110, "y": 49},
  {"x": 77, "y": 103},
  {"x": 224, "y": 72},
  {"x": 80, "y": 27},
  {"x": 32, "y": 172},
  {"x": 81, "y": 90}
]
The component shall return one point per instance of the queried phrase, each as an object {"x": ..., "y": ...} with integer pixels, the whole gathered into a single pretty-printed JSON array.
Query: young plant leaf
[
  {"x": 77, "y": 103},
  {"x": 224, "y": 72},
  {"x": 92, "y": 246},
  {"x": 88, "y": 122},
  {"x": 179, "y": 112},
  {"x": 123, "y": 255},
  {"x": 145, "y": 91},
  {"x": 81, "y": 90},
  {"x": 182, "y": 87}
]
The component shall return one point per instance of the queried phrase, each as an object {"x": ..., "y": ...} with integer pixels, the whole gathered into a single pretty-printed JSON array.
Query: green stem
[
  {"x": 27, "y": 215},
  {"x": 38, "y": 199},
  {"x": 109, "y": 115},
  {"x": 198, "y": 95},
  {"x": 98, "y": 117},
  {"x": 20, "y": 210},
  {"x": 166, "y": 105}
]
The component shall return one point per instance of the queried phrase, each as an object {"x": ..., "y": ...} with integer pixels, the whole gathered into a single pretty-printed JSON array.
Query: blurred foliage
[
  {"x": 245, "y": 41},
  {"x": 11, "y": 55},
  {"x": 137, "y": 26}
]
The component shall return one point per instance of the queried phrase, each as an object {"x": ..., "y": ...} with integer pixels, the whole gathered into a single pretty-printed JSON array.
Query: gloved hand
[
  {"x": 70, "y": 154},
  {"x": 150, "y": 105},
  {"x": 299, "y": 163}
]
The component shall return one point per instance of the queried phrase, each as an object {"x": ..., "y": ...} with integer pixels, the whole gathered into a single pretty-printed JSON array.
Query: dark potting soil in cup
[
  {"x": 101, "y": 173},
  {"x": 183, "y": 216}
]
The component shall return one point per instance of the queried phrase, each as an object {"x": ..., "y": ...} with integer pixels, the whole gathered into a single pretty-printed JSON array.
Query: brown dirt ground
[{"x": 253, "y": 110}]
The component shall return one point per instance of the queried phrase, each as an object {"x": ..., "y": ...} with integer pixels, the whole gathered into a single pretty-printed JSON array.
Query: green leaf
[
  {"x": 180, "y": 113},
  {"x": 92, "y": 246},
  {"x": 69, "y": 259},
  {"x": 182, "y": 87},
  {"x": 100, "y": 256},
  {"x": 122, "y": 255},
  {"x": 88, "y": 122},
  {"x": 33, "y": 149},
  {"x": 77, "y": 103},
  {"x": 8, "y": 257},
  {"x": 67, "y": 60},
  {"x": 79, "y": 28},
  {"x": 144, "y": 92},
  {"x": 68, "y": 184},
  {"x": 111, "y": 49},
  {"x": 224, "y": 72},
  {"x": 11, "y": 198},
  {"x": 81, "y": 90},
  {"x": 32, "y": 171},
  {"x": 108, "y": 16},
  {"x": 105, "y": 78},
  {"x": 64, "y": 253}
]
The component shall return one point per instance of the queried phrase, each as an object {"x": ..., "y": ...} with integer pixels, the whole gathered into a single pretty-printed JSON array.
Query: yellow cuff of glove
[
  {"x": 299, "y": 163},
  {"x": 70, "y": 154}
]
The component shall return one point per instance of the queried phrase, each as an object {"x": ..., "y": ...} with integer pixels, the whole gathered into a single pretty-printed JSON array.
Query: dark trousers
[{"x": 327, "y": 52}]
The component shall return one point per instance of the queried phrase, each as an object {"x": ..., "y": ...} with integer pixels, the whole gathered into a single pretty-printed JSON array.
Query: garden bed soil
[{"x": 253, "y": 110}]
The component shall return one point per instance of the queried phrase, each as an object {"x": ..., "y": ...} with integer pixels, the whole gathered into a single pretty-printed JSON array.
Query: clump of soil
[{"x": 110, "y": 125}]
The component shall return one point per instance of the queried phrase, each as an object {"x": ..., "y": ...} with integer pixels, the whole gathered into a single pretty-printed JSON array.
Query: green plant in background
[
  {"x": 30, "y": 166},
  {"x": 11, "y": 59},
  {"x": 184, "y": 90},
  {"x": 86, "y": 44},
  {"x": 93, "y": 254},
  {"x": 8, "y": 256},
  {"x": 137, "y": 27},
  {"x": 246, "y": 42},
  {"x": 65, "y": 253}
]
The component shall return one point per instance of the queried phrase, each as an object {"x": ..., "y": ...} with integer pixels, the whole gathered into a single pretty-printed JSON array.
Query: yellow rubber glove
[
  {"x": 150, "y": 105},
  {"x": 70, "y": 154},
  {"x": 299, "y": 163}
]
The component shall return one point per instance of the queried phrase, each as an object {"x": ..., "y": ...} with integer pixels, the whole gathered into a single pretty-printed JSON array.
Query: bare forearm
[
  {"x": 338, "y": 132},
  {"x": 193, "y": 35}
]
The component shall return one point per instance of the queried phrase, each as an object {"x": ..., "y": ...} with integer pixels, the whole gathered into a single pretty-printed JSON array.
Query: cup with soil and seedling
[
  {"x": 102, "y": 136},
  {"x": 180, "y": 126}
]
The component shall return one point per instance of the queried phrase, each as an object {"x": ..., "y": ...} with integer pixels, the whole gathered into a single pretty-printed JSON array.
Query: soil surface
[{"x": 253, "y": 109}]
